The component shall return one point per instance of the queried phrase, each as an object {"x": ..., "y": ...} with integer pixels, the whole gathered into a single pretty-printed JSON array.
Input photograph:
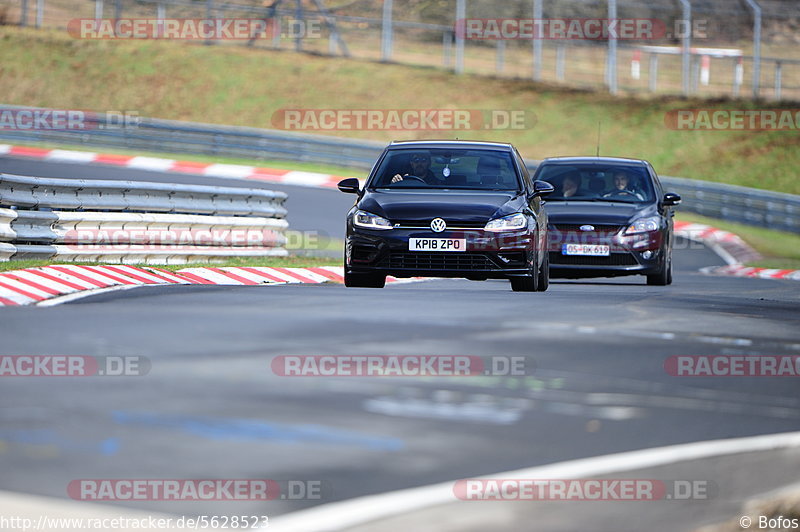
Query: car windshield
[
  {"x": 594, "y": 182},
  {"x": 447, "y": 168}
]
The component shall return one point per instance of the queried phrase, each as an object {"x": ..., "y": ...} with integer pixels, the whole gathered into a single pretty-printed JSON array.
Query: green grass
[
  {"x": 780, "y": 249},
  {"x": 276, "y": 262},
  {"x": 239, "y": 86}
]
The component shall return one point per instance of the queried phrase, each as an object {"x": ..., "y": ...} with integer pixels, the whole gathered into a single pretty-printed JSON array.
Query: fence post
[
  {"x": 537, "y": 40},
  {"x": 117, "y": 9},
  {"x": 388, "y": 31},
  {"x": 209, "y": 14},
  {"x": 561, "y": 56},
  {"x": 778, "y": 79},
  {"x": 447, "y": 47},
  {"x": 653, "y": 72},
  {"x": 756, "y": 45},
  {"x": 612, "y": 48},
  {"x": 738, "y": 75},
  {"x": 161, "y": 14},
  {"x": 500, "y": 61},
  {"x": 39, "y": 13},
  {"x": 23, "y": 16},
  {"x": 98, "y": 9},
  {"x": 461, "y": 14},
  {"x": 687, "y": 44}
]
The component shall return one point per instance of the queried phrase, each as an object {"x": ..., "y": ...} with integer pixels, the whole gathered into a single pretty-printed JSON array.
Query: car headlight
[
  {"x": 644, "y": 225},
  {"x": 512, "y": 222},
  {"x": 367, "y": 220}
]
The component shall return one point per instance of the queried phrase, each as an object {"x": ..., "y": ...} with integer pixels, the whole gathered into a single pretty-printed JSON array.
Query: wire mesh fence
[{"x": 707, "y": 48}]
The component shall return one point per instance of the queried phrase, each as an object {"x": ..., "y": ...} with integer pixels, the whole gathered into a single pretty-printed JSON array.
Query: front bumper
[
  {"x": 640, "y": 254},
  {"x": 487, "y": 255}
]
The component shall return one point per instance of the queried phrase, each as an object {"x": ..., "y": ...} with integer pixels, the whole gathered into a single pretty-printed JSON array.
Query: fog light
[{"x": 647, "y": 254}]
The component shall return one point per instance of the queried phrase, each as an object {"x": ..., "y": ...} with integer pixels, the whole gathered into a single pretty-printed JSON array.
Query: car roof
[
  {"x": 598, "y": 160},
  {"x": 457, "y": 144}
]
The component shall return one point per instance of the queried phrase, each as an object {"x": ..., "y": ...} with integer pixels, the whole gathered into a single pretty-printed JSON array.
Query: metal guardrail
[
  {"x": 746, "y": 205},
  {"x": 153, "y": 223},
  {"x": 761, "y": 208}
]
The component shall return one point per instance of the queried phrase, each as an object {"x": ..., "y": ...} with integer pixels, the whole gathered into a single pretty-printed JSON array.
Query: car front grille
[
  {"x": 614, "y": 259},
  {"x": 576, "y": 228},
  {"x": 440, "y": 261}
]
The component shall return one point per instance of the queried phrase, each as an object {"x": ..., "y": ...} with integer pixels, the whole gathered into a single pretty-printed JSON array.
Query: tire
[
  {"x": 664, "y": 276},
  {"x": 526, "y": 283},
  {"x": 364, "y": 280},
  {"x": 544, "y": 274}
]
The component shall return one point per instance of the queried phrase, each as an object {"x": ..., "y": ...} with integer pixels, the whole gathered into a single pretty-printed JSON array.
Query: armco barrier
[
  {"x": 151, "y": 223},
  {"x": 746, "y": 205}
]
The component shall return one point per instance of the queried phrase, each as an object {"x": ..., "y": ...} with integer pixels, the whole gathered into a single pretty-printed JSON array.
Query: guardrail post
[
  {"x": 653, "y": 72},
  {"x": 778, "y": 79}
]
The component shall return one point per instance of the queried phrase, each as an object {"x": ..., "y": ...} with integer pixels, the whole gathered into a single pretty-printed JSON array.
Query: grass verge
[{"x": 241, "y": 86}]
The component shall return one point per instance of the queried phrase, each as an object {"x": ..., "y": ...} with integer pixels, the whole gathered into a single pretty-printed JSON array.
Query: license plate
[
  {"x": 590, "y": 250},
  {"x": 437, "y": 244}
]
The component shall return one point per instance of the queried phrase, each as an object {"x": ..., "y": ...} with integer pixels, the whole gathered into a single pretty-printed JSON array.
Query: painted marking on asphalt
[{"x": 248, "y": 429}]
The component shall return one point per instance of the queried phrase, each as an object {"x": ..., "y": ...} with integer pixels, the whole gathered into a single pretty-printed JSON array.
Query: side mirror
[
  {"x": 671, "y": 199},
  {"x": 350, "y": 185},
  {"x": 542, "y": 188}
]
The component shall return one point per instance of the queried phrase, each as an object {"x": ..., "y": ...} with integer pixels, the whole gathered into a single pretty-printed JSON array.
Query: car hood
[
  {"x": 423, "y": 206},
  {"x": 606, "y": 213}
]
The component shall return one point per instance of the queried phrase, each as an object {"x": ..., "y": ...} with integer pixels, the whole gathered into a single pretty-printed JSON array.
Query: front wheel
[
  {"x": 544, "y": 274},
  {"x": 664, "y": 275},
  {"x": 526, "y": 283},
  {"x": 364, "y": 280}
]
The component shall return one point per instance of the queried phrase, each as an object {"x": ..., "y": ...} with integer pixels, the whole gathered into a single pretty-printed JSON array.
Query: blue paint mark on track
[{"x": 248, "y": 429}]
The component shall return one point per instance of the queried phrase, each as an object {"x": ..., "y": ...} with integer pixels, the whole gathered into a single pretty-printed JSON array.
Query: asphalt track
[{"x": 212, "y": 408}]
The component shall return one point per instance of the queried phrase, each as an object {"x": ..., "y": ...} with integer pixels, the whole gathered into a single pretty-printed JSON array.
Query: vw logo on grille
[
  {"x": 587, "y": 228},
  {"x": 438, "y": 225}
]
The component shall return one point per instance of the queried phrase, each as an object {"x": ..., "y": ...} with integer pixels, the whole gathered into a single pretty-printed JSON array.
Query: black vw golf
[
  {"x": 608, "y": 217},
  {"x": 448, "y": 209}
]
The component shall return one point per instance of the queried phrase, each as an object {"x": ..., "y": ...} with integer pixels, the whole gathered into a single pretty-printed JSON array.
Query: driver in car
[
  {"x": 420, "y": 166},
  {"x": 621, "y": 187}
]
